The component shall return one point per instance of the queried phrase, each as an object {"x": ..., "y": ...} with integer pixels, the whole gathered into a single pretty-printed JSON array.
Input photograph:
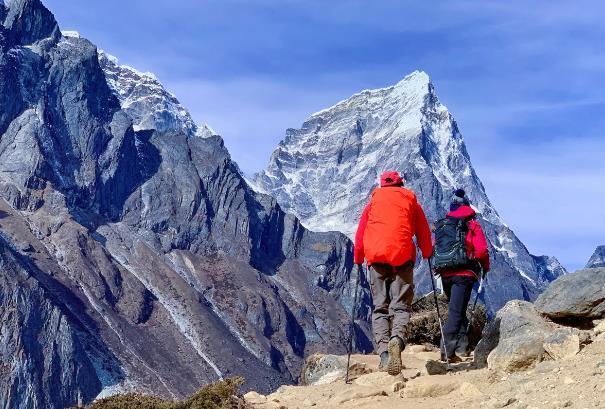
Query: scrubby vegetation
[
  {"x": 220, "y": 395},
  {"x": 424, "y": 327}
]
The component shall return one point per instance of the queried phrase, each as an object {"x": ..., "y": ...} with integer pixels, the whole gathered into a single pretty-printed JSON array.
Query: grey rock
[
  {"x": 325, "y": 171},
  {"x": 27, "y": 22},
  {"x": 319, "y": 368},
  {"x": 46, "y": 357},
  {"x": 597, "y": 260},
  {"x": 577, "y": 295},
  {"x": 562, "y": 343},
  {"x": 489, "y": 341},
  {"x": 521, "y": 333},
  {"x": 159, "y": 268},
  {"x": 600, "y": 367}
]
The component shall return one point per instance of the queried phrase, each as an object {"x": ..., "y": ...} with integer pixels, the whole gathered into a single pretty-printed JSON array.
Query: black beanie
[{"x": 460, "y": 198}]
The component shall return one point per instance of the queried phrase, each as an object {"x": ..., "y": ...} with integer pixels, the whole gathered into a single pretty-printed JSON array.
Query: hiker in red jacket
[
  {"x": 385, "y": 239},
  {"x": 458, "y": 284}
]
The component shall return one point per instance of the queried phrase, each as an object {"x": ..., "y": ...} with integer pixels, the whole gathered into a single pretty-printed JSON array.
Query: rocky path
[{"x": 577, "y": 382}]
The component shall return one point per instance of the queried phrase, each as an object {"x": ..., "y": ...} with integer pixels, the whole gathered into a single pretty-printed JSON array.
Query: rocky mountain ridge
[
  {"x": 325, "y": 171},
  {"x": 597, "y": 259},
  {"x": 134, "y": 256}
]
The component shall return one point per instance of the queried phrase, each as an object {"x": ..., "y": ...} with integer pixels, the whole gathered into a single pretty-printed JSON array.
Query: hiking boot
[
  {"x": 394, "y": 365},
  {"x": 454, "y": 359},
  {"x": 384, "y": 360}
]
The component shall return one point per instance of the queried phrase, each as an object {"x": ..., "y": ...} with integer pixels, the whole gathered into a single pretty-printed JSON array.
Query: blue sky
[{"x": 524, "y": 80}]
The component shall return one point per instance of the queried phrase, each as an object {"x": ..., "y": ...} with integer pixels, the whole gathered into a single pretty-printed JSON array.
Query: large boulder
[
  {"x": 577, "y": 295},
  {"x": 514, "y": 340},
  {"x": 562, "y": 343}
]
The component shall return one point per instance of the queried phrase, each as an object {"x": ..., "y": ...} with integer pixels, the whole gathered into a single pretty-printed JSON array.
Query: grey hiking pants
[{"x": 392, "y": 294}]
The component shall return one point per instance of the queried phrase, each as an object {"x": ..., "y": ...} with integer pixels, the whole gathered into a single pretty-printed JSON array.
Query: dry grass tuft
[{"x": 219, "y": 395}]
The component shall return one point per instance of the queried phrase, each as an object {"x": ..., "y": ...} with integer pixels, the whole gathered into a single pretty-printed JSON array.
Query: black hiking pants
[{"x": 458, "y": 291}]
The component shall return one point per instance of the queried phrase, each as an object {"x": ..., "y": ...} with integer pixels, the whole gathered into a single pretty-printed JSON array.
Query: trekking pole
[
  {"x": 447, "y": 359},
  {"x": 422, "y": 298},
  {"x": 352, "y": 325}
]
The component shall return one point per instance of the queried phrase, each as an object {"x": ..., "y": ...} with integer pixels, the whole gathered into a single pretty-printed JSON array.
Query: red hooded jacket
[
  {"x": 476, "y": 244},
  {"x": 387, "y": 227}
]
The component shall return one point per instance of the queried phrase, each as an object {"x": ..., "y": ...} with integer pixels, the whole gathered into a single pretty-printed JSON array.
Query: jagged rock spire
[
  {"x": 598, "y": 258},
  {"x": 28, "y": 21}
]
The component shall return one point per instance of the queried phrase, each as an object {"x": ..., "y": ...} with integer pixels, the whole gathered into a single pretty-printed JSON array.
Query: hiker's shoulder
[
  {"x": 394, "y": 191},
  {"x": 408, "y": 194}
]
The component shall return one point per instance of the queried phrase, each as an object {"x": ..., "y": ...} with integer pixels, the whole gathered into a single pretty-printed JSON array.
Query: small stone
[
  {"x": 494, "y": 403},
  {"x": 469, "y": 390},
  {"x": 568, "y": 381},
  {"x": 430, "y": 387},
  {"x": 585, "y": 337},
  {"x": 600, "y": 367},
  {"x": 308, "y": 403},
  {"x": 378, "y": 379},
  {"x": 255, "y": 398},
  {"x": 599, "y": 328},
  {"x": 357, "y": 393},
  {"x": 435, "y": 367},
  {"x": 397, "y": 386},
  {"x": 416, "y": 348},
  {"x": 411, "y": 373}
]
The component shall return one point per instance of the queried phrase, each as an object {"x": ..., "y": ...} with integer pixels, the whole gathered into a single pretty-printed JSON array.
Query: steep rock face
[
  {"x": 39, "y": 331},
  {"x": 597, "y": 260},
  {"x": 167, "y": 270},
  {"x": 325, "y": 171}
]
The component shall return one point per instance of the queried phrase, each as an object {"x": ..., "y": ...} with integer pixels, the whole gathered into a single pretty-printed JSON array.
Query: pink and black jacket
[{"x": 476, "y": 244}]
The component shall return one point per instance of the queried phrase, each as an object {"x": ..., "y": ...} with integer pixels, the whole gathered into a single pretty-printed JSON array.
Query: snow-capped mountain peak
[
  {"x": 145, "y": 99},
  {"x": 325, "y": 171}
]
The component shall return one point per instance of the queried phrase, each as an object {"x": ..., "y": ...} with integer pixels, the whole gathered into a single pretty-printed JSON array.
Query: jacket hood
[{"x": 463, "y": 212}]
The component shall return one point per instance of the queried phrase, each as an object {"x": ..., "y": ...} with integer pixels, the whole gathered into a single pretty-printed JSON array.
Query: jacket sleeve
[
  {"x": 423, "y": 232},
  {"x": 359, "y": 254},
  {"x": 479, "y": 245}
]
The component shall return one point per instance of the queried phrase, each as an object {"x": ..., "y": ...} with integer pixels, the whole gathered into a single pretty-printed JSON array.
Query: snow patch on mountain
[
  {"x": 147, "y": 102},
  {"x": 597, "y": 260},
  {"x": 69, "y": 33}
]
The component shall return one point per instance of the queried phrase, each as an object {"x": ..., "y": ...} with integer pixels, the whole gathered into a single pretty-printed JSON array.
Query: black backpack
[{"x": 449, "y": 252}]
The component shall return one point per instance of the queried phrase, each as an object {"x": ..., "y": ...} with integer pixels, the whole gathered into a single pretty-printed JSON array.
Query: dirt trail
[{"x": 577, "y": 382}]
